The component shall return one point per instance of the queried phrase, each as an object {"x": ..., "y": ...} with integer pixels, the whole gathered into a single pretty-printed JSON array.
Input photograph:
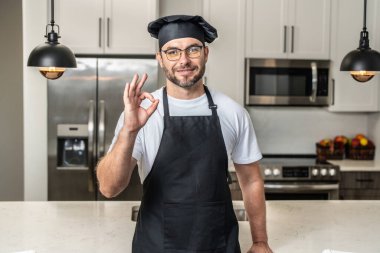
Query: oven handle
[{"x": 308, "y": 187}]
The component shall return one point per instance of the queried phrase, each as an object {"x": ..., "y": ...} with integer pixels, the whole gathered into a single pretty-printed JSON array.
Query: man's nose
[{"x": 184, "y": 58}]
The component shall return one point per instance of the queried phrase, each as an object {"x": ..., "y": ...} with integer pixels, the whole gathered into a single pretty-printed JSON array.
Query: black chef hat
[{"x": 181, "y": 26}]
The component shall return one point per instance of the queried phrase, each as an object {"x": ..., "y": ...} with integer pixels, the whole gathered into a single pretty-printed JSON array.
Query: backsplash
[{"x": 294, "y": 130}]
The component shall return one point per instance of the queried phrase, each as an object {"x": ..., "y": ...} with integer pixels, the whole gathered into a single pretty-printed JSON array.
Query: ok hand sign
[{"x": 135, "y": 116}]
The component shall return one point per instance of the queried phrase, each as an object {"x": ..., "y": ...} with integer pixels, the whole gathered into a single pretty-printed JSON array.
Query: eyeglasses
[{"x": 174, "y": 54}]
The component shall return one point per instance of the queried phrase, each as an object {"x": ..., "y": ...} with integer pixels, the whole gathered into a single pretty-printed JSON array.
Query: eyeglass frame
[{"x": 182, "y": 50}]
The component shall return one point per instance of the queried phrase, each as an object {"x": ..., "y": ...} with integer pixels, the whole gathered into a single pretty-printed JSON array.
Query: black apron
[{"x": 186, "y": 205}]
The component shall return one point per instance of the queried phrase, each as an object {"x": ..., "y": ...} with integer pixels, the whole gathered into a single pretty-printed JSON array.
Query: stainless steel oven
[
  {"x": 287, "y": 82},
  {"x": 299, "y": 178}
]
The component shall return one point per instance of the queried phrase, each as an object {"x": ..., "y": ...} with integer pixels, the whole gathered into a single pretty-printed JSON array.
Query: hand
[
  {"x": 135, "y": 116},
  {"x": 260, "y": 247}
]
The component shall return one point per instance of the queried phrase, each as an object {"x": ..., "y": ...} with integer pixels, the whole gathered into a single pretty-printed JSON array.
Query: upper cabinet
[
  {"x": 294, "y": 29},
  {"x": 106, "y": 26},
  {"x": 349, "y": 95}
]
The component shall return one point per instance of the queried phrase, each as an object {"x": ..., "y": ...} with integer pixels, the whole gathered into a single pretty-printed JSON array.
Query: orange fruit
[{"x": 360, "y": 136}]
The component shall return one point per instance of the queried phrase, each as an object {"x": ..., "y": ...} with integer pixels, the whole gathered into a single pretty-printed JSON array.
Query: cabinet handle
[
  {"x": 100, "y": 32},
  {"x": 292, "y": 49},
  {"x": 333, "y": 91},
  {"x": 369, "y": 180},
  {"x": 108, "y": 32},
  {"x": 284, "y": 38}
]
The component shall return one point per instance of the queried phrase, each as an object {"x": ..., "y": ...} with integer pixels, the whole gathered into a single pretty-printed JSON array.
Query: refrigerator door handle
[
  {"x": 101, "y": 128},
  {"x": 91, "y": 153}
]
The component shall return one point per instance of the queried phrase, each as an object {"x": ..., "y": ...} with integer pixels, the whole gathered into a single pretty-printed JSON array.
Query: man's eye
[
  {"x": 172, "y": 52},
  {"x": 193, "y": 49}
]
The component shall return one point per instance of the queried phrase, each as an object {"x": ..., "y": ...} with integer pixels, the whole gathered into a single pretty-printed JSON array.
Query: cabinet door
[
  {"x": 349, "y": 95},
  {"x": 267, "y": 33},
  {"x": 81, "y": 23},
  {"x": 126, "y": 24},
  {"x": 225, "y": 65},
  {"x": 309, "y": 25}
]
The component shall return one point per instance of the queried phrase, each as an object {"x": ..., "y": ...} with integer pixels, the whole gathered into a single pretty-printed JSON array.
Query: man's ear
[
  {"x": 206, "y": 50},
  {"x": 159, "y": 58}
]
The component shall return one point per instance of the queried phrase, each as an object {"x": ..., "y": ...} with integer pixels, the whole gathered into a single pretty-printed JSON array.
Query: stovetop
[
  {"x": 293, "y": 161},
  {"x": 298, "y": 168}
]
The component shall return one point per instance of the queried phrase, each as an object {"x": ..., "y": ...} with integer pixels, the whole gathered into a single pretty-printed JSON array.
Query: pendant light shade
[
  {"x": 51, "y": 57},
  {"x": 363, "y": 63}
]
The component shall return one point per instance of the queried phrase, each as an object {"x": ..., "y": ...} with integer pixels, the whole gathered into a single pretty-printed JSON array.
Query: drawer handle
[{"x": 364, "y": 180}]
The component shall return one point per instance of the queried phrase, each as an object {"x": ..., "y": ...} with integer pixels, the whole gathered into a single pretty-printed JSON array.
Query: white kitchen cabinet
[
  {"x": 294, "y": 29},
  {"x": 225, "y": 66},
  {"x": 107, "y": 26},
  {"x": 349, "y": 95}
]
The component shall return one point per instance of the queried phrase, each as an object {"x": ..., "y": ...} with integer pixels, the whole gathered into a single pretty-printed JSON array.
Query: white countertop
[
  {"x": 293, "y": 226},
  {"x": 356, "y": 165}
]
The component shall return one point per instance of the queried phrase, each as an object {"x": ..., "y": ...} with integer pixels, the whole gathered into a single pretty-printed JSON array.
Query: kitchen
[{"x": 290, "y": 130}]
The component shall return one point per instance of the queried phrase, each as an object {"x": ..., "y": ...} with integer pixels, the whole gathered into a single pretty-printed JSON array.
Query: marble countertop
[
  {"x": 293, "y": 226},
  {"x": 356, "y": 165}
]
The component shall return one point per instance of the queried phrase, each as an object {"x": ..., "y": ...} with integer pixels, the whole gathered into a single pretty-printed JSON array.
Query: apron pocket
[{"x": 195, "y": 226}]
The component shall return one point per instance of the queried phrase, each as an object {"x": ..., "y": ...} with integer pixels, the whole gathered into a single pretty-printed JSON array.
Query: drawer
[
  {"x": 360, "y": 180},
  {"x": 351, "y": 194}
]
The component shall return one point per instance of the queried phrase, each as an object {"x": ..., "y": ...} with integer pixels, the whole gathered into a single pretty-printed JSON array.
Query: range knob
[
  {"x": 323, "y": 171},
  {"x": 267, "y": 172},
  {"x": 276, "y": 172},
  {"x": 332, "y": 172},
  {"x": 315, "y": 172}
]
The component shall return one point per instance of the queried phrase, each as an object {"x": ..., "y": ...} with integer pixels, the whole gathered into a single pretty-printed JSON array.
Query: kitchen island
[{"x": 293, "y": 226}]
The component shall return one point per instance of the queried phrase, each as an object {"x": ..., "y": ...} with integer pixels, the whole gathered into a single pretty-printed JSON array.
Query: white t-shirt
[{"x": 237, "y": 129}]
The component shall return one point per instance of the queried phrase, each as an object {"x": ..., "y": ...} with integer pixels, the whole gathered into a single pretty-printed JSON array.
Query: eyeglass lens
[{"x": 175, "y": 53}]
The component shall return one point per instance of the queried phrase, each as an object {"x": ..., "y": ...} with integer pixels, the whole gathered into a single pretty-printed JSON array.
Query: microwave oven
[{"x": 287, "y": 82}]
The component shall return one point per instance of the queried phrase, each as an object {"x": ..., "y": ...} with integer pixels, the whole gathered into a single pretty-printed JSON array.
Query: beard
[{"x": 188, "y": 82}]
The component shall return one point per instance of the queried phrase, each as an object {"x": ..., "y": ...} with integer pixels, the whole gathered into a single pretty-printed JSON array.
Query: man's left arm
[{"x": 252, "y": 186}]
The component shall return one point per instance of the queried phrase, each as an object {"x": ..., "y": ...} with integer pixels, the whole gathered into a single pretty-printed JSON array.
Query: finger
[
  {"x": 126, "y": 92},
  {"x": 141, "y": 83},
  {"x": 150, "y": 110},
  {"x": 147, "y": 95},
  {"x": 132, "y": 87}
]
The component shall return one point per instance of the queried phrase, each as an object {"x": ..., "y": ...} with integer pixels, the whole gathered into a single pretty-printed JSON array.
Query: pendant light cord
[
  {"x": 365, "y": 16},
  {"x": 52, "y": 12}
]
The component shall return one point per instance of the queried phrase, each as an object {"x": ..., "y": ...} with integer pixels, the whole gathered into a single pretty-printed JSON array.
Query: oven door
[{"x": 301, "y": 191}]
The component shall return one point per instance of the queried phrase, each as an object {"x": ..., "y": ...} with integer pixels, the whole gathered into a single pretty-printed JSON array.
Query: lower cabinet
[{"x": 359, "y": 186}]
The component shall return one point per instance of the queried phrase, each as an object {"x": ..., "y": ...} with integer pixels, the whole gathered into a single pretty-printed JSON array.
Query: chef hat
[{"x": 181, "y": 26}]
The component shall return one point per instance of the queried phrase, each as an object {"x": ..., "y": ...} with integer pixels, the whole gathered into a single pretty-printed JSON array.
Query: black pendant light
[
  {"x": 52, "y": 58},
  {"x": 363, "y": 63}
]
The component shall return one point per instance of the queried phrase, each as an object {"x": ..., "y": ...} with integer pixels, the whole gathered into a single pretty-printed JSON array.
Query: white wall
[
  {"x": 295, "y": 130},
  {"x": 374, "y": 133},
  {"x": 35, "y": 104},
  {"x": 11, "y": 121}
]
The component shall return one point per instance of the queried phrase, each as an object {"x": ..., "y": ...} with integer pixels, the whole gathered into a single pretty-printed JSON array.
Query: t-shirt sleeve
[
  {"x": 246, "y": 149},
  {"x": 137, "y": 149}
]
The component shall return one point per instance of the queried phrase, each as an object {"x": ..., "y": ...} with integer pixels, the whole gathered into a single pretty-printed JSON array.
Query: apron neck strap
[
  {"x": 165, "y": 100},
  {"x": 211, "y": 104}
]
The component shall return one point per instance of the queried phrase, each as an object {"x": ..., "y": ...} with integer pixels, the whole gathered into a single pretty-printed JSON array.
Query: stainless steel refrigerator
[{"x": 83, "y": 108}]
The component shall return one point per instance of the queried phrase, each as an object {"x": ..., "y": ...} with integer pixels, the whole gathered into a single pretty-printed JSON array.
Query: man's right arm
[{"x": 115, "y": 169}]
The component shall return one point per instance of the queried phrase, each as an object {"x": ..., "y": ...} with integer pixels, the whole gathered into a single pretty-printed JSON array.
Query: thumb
[{"x": 152, "y": 108}]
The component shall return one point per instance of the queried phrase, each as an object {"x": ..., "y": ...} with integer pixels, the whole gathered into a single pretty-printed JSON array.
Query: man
[{"x": 182, "y": 144}]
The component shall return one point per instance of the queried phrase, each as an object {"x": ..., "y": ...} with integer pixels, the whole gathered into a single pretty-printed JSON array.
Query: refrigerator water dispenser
[{"x": 72, "y": 150}]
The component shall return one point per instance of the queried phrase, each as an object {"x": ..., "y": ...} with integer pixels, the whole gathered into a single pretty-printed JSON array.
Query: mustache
[{"x": 185, "y": 67}]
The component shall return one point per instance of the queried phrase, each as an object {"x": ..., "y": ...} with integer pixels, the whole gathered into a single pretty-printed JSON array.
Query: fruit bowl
[
  {"x": 333, "y": 151},
  {"x": 361, "y": 148}
]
